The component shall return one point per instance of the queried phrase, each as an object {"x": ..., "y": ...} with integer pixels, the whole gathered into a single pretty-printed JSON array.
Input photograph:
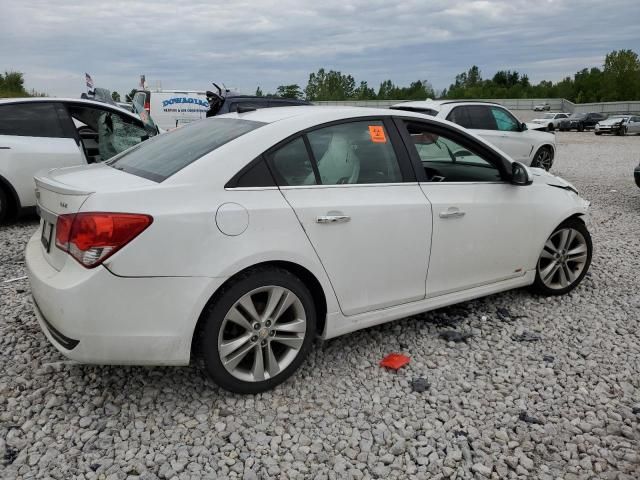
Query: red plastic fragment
[{"x": 394, "y": 361}]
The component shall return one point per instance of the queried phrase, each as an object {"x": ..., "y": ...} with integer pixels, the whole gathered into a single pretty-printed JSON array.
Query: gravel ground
[{"x": 544, "y": 388}]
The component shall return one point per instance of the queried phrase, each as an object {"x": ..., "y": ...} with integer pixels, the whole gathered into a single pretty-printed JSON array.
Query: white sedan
[{"x": 279, "y": 225}]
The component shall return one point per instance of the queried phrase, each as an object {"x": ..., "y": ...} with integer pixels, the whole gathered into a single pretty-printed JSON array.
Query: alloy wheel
[
  {"x": 563, "y": 258},
  {"x": 543, "y": 159},
  {"x": 262, "y": 333}
]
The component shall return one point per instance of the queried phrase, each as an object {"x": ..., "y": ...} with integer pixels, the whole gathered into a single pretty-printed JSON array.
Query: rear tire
[
  {"x": 564, "y": 260},
  {"x": 4, "y": 206},
  {"x": 550, "y": 127},
  {"x": 598, "y": 133},
  {"x": 580, "y": 127},
  {"x": 543, "y": 158},
  {"x": 258, "y": 331}
]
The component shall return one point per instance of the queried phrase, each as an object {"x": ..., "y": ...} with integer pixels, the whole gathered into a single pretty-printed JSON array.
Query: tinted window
[
  {"x": 504, "y": 120},
  {"x": 447, "y": 160},
  {"x": 258, "y": 175},
  {"x": 355, "y": 152},
  {"x": 292, "y": 165},
  {"x": 30, "y": 120},
  {"x": 460, "y": 116},
  {"x": 481, "y": 117},
  {"x": 163, "y": 155}
]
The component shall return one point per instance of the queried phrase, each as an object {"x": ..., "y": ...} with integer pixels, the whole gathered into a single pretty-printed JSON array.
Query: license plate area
[{"x": 47, "y": 235}]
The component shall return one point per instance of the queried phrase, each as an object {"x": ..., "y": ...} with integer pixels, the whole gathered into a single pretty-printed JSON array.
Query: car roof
[
  {"x": 319, "y": 113},
  {"x": 437, "y": 104},
  {"x": 82, "y": 101}
]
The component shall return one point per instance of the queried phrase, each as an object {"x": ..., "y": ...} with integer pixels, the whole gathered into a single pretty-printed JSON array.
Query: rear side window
[
  {"x": 481, "y": 117},
  {"x": 162, "y": 156},
  {"x": 292, "y": 164},
  {"x": 350, "y": 153},
  {"x": 30, "y": 120}
]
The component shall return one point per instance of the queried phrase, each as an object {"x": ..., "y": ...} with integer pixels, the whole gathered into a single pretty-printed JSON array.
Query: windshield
[
  {"x": 162, "y": 156},
  {"x": 549, "y": 116},
  {"x": 618, "y": 116},
  {"x": 578, "y": 115}
]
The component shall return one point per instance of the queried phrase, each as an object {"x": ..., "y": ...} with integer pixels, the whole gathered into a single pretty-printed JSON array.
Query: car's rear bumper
[{"x": 93, "y": 316}]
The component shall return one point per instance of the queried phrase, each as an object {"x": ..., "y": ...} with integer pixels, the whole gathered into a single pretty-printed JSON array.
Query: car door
[
  {"x": 103, "y": 132},
  {"x": 355, "y": 194},
  {"x": 32, "y": 138},
  {"x": 481, "y": 222},
  {"x": 633, "y": 126}
]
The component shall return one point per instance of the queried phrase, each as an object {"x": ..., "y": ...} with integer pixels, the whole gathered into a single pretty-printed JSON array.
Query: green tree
[
  {"x": 115, "y": 96},
  {"x": 289, "y": 91},
  {"x": 259, "y": 92},
  {"x": 364, "y": 92},
  {"x": 12, "y": 85},
  {"x": 622, "y": 75},
  {"x": 331, "y": 85}
]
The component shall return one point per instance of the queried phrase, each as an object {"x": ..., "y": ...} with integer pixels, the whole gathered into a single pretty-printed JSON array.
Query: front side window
[
  {"x": 104, "y": 133},
  {"x": 349, "y": 153},
  {"x": 30, "y": 119},
  {"x": 162, "y": 156},
  {"x": 447, "y": 160},
  {"x": 504, "y": 120}
]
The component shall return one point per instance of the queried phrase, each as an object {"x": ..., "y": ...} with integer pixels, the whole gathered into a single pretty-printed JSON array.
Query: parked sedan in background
[
  {"x": 494, "y": 123},
  {"x": 581, "y": 121},
  {"x": 278, "y": 225},
  {"x": 41, "y": 133},
  {"x": 619, "y": 124},
  {"x": 550, "y": 120},
  {"x": 542, "y": 107}
]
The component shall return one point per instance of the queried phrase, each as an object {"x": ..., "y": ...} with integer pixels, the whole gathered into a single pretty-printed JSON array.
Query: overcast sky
[{"x": 188, "y": 44}]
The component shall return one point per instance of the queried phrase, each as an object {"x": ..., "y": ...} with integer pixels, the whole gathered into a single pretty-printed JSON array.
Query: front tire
[
  {"x": 580, "y": 127},
  {"x": 258, "y": 331},
  {"x": 550, "y": 127},
  {"x": 543, "y": 158},
  {"x": 564, "y": 260}
]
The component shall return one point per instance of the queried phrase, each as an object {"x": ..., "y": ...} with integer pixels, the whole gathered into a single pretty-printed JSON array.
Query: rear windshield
[{"x": 162, "y": 156}]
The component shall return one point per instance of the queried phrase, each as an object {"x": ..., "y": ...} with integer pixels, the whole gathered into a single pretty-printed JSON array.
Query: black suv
[
  {"x": 225, "y": 102},
  {"x": 581, "y": 121}
]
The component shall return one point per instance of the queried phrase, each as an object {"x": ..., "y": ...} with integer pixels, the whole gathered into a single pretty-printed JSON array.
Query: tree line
[{"x": 618, "y": 79}]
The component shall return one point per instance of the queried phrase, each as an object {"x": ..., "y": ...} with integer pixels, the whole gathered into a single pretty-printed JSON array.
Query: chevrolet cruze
[{"x": 242, "y": 237}]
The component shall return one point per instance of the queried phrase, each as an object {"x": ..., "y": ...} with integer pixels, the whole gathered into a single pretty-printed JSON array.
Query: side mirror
[
  {"x": 520, "y": 175},
  {"x": 523, "y": 127}
]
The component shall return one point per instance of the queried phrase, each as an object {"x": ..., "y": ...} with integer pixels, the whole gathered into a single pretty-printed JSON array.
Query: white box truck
[{"x": 173, "y": 108}]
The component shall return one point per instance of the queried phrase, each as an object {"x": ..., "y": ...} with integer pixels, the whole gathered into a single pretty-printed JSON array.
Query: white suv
[
  {"x": 44, "y": 133},
  {"x": 495, "y": 124}
]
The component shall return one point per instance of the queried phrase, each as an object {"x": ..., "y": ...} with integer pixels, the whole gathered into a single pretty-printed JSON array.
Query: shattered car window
[{"x": 115, "y": 136}]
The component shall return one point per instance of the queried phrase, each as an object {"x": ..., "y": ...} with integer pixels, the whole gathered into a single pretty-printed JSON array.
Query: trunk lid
[{"x": 64, "y": 190}]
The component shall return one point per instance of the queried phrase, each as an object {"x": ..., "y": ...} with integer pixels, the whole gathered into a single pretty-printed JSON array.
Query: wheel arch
[
  {"x": 305, "y": 275},
  {"x": 12, "y": 197}
]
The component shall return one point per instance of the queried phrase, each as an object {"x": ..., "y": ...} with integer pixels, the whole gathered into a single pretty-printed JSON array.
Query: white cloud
[{"x": 187, "y": 44}]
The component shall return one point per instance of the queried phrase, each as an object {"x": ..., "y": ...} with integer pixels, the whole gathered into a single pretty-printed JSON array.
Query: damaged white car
[{"x": 45, "y": 133}]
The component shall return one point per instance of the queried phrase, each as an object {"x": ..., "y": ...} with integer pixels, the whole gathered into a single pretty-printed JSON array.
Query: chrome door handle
[
  {"x": 452, "y": 214},
  {"x": 333, "y": 219}
]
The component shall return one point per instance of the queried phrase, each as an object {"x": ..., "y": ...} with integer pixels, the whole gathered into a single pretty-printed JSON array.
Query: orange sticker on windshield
[{"x": 377, "y": 134}]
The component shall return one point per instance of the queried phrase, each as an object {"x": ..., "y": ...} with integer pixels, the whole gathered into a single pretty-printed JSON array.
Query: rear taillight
[
  {"x": 147, "y": 106},
  {"x": 93, "y": 237}
]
